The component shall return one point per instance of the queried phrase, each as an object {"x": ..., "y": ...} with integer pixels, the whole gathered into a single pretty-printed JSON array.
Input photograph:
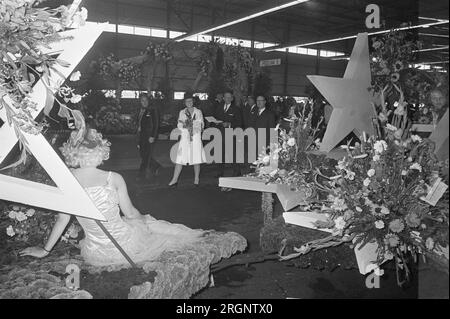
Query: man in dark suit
[
  {"x": 148, "y": 127},
  {"x": 230, "y": 114},
  {"x": 264, "y": 121},
  {"x": 249, "y": 112}
]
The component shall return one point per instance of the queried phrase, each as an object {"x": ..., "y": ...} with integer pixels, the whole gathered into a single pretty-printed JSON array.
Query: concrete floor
[{"x": 207, "y": 208}]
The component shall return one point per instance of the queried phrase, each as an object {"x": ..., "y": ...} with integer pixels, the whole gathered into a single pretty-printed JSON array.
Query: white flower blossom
[
  {"x": 371, "y": 172},
  {"x": 76, "y": 98},
  {"x": 380, "y": 146},
  {"x": 12, "y": 214},
  {"x": 376, "y": 158},
  {"x": 339, "y": 223},
  {"x": 75, "y": 76},
  {"x": 20, "y": 216},
  {"x": 10, "y": 231},
  {"x": 291, "y": 142},
  {"x": 342, "y": 164},
  {"x": 429, "y": 243},
  {"x": 266, "y": 159},
  {"x": 350, "y": 175},
  {"x": 30, "y": 212},
  {"x": 366, "y": 182},
  {"x": 416, "y": 166},
  {"x": 391, "y": 127},
  {"x": 404, "y": 172},
  {"x": 339, "y": 204},
  {"x": 416, "y": 138},
  {"x": 358, "y": 209},
  {"x": 379, "y": 224},
  {"x": 385, "y": 210}
]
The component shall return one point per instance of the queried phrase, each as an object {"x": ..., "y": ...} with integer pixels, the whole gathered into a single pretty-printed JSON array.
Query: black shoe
[
  {"x": 175, "y": 185},
  {"x": 196, "y": 184}
]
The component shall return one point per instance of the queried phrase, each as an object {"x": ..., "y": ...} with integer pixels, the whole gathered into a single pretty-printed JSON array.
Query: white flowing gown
[{"x": 191, "y": 152}]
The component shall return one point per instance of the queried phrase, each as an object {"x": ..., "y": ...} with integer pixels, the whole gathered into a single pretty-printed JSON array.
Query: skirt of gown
[{"x": 142, "y": 239}]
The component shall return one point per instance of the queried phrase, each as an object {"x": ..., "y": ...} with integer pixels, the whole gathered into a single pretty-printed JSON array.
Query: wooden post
[{"x": 267, "y": 207}]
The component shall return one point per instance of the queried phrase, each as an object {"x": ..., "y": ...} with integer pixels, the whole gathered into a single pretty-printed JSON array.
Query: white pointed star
[{"x": 349, "y": 96}]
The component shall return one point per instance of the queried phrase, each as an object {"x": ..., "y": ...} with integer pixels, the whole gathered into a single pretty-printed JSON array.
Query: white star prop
[
  {"x": 349, "y": 96},
  {"x": 69, "y": 196}
]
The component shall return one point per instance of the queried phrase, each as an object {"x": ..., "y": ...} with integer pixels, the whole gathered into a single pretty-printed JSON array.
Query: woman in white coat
[{"x": 190, "y": 147}]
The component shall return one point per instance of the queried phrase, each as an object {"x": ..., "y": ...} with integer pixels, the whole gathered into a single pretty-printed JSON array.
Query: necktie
[{"x": 226, "y": 107}]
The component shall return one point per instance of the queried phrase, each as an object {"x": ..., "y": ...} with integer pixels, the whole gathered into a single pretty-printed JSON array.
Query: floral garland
[
  {"x": 238, "y": 66},
  {"x": 122, "y": 70},
  {"x": 159, "y": 51},
  {"x": 394, "y": 77},
  {"x": 233, "y": 64}
]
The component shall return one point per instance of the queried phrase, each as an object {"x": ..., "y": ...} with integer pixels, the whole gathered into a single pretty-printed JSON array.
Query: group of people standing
[{"x": 254, "y": 113}]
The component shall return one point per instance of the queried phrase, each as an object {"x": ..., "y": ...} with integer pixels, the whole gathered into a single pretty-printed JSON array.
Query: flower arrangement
[
  {"x": 395, "y": 77},
  {"x": 24, "y": 224},
  {"x": 393, "y": 52},
  {"x": 378, "y": 195},
  {"x": 288, "y": 161},
  {"x": 23, "y": 30}
]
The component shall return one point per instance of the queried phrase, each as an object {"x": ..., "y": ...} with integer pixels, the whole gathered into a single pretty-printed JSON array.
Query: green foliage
[
  {"x": 263, "y": 84},
  {"x": 23, "y": 30}
]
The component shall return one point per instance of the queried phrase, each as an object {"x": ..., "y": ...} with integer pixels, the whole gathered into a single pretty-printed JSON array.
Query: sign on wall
[{"x": 272, "y": 62}]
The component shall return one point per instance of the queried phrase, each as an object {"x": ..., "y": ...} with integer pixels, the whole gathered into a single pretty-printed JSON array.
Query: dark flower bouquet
[{"x": 189, "y": 124}]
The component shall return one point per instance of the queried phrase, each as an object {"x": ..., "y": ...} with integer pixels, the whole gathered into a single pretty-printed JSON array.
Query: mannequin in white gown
[{"x": 142, "y": 237}]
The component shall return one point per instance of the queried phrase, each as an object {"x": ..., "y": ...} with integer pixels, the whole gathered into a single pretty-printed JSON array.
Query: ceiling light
[
  {"x": 354, "y": 36},
  {"x": 245, "y": 18}
]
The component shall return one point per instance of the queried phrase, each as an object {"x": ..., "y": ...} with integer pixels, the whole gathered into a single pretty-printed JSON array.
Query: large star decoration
[{"x": 349, "y": 96}]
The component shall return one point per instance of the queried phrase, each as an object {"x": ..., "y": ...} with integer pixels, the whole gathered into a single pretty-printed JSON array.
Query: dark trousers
[
  {"x": 235, "y": 165},
  {"x": 147, "y": 160}
]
